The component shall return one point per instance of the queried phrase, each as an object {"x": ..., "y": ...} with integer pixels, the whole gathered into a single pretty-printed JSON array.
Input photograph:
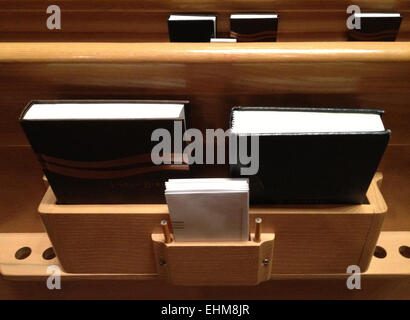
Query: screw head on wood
[{"x": 265, "y": 262}]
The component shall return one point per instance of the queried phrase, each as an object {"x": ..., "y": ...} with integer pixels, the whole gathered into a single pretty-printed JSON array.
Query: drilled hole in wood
[
  {"x": 380, "y": 252},
  {"x": 22, "y": 253},
  {"x": 49, "y": 254},
  {"x": 405, "y": 251}
]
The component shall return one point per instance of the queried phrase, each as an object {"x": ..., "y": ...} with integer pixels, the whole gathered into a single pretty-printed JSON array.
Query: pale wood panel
[
  {"x": 391, "y": 242},
  {"x": 308, "y": 239},
  {"x": 90, "y": 243},
  {"x": 110, "y": 243},
  {"x": 207, "y": 263},
  {"x": 324, "y": 232}
]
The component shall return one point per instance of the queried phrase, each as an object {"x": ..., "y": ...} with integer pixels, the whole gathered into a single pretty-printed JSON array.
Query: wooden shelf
[
  {"x": 310, "y": 239},
  {"x": 35, "y": 267}
]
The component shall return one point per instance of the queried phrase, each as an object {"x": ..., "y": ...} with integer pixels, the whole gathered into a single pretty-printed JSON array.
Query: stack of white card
[{"x": 215, "y": 209}]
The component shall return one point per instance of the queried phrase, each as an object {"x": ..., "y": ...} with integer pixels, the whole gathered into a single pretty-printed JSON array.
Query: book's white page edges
[
  {"x": 183, "y": 17},
  {"x": 88, "y": 111},
  {"x": 253, "y": 16},
  {"x": 269, "y": 121},
  {"x": 223, "y": 40},
  {"x": 377, "y": 15},
  {"x": 208, "y": 180},
  {"x": 206, "y": 185}
]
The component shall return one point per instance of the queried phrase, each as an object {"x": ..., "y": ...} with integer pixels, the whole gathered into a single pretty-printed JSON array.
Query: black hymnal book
[
  {"x": 191, "y": 28},
  {"x": 314, "y": 155},
  {"x": 254, "y": 27},
  {"x": 376, "y": 27},
  {"x": 100, "y": 151}
]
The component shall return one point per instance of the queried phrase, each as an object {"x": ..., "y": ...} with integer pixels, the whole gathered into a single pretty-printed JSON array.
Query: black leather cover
[
  {"x": 254, "y": 30},
  {"x": 315, "y": 167},
  {"x": 376, "y": 29},
  {"x": 191, "y": 30},
  {"x": 101, "y": 161}
]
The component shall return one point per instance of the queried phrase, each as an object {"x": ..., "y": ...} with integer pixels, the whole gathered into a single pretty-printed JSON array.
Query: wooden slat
[
  {"x": 35, "y": 267},
  {"x": 205, "y": 53}
]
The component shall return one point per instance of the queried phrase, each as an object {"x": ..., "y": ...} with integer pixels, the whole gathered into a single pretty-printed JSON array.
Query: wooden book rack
[{"x": 127, "y": 242}]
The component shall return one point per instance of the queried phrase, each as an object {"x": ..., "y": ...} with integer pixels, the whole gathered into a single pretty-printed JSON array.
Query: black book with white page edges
[
  {"x": 191, "y": 27},
  {"x": 259, "y": 27},
  {"x": 96, "y": 152},
  {"x": 311, "y": 155},
  {"x": 376, "y": 27}
]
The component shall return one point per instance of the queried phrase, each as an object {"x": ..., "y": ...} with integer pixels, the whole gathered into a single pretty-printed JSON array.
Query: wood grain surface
[
  {"x": 387, "y": 277},
  {"x": 316, "y": 239},
  {"x": 34, "y": 266},
  {"x": 310, "y": 75},
  {"x": 206, "y": 53},
  {"x": 206, "y": 263}
]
